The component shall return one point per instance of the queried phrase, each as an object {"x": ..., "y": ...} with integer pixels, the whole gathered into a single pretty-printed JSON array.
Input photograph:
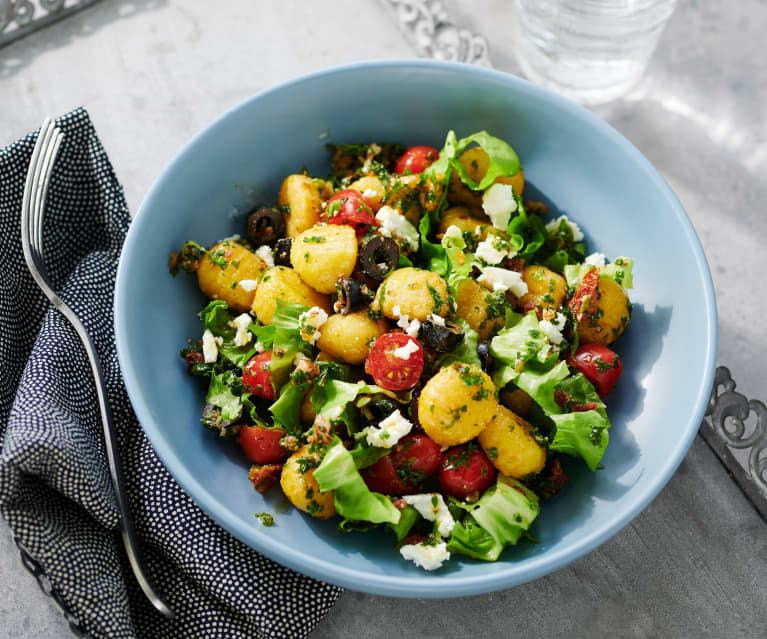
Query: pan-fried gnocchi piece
[
  {"x": 510, "y": 446},
  {"x": 545, "y": 290},
  {"x": 323, "y": 253},
  {"x": 222, "y": 282},
  {"x": 466, "y": 220},
  {"x": 302, "y": 194},
  {"x": 457, "y": 404},
  {"x": 372, "y": 190},
  {"x": 302, "y": 489},
  {"x": 611, "y": 318},
  {"x": 412, "y": 292},
  {"x": 481, "y": 309},
  {"x": 281, "y": 282},
  {"x": 349, "y": 337},
  {"x": 476, "y": 161}
]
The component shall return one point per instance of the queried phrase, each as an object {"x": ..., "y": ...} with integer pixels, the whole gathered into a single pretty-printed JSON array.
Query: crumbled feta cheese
[
  {"x": 553, "y": 330},
  {"x": 209, "y": 347},
  {"x": 595, "y": 259},
  {"x": 395, "y": 310},
  {"x": 413, "y": 328},
  {"x": 393, "y": 224},
  {"x": 300, "y": 357},
  {"x": 499, "y": 203},
  {"x": 425, "y": 556},
  {"x": 370, "y": 194},
  {"x": 432, "y": 507},
  {"x": 389, "y": 431},
  {"x": 493, "y": 250},
  {"x": 553, "y": 226},
  {"x": 260, "y": 348},
  {"x": 501, "y": 279},
  {"x": 403, "y": 322},
  {"x": 241, "y": 323},
  {"x": 248, "y": 285},
  {"x": 437, "y": 319},
  {"x": 310, "y": 323},
  {"x": 266, "y": 254},
  {"x": 453, "y": 231},
  {"x": 404, "y": 352}
]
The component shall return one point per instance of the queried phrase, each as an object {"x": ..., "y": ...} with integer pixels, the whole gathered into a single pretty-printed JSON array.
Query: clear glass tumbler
[{"x": 591, "y": 51}]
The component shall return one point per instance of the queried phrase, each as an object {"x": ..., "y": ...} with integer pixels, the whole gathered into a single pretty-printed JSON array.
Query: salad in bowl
[{"x": 408, "y": 343}]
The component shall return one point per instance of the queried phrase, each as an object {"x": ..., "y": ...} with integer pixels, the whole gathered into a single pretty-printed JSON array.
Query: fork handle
[{"x": 127, "y": 529}]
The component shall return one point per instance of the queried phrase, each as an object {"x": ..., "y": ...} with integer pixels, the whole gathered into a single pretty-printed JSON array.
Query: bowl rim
[{"x": 428, "y": 586}]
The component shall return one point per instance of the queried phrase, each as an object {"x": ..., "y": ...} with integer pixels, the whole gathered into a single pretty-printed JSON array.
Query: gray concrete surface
[{"x": 152, "y": 72}]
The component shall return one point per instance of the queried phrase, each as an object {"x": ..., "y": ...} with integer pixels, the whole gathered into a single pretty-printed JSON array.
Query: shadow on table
[{"x": 22, "y": 53}]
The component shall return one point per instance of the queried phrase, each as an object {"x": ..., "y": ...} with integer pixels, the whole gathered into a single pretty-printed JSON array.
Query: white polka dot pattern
[{"x": 55, "y": 489}]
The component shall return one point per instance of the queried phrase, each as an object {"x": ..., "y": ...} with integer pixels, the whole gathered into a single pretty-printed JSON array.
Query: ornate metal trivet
[
  {"x": 434, "y": 35},
  {"x": 21, "y": 17},
  {"x": 736, "y": 428}
]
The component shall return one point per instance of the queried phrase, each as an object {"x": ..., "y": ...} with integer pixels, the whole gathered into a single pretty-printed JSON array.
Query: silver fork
[{"x": 32, "y": 211}]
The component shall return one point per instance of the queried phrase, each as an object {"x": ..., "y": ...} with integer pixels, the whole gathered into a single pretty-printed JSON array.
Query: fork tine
[
  {"x": 34, "y": 165},
  {"x": 48, "y": 159}
]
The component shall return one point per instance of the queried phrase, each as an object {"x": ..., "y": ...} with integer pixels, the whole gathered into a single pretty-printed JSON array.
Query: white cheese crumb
[
  {"x": 241, "y": 323},
  {"x": 260, "y": 348},
  {"x": 393, "y": 224},
  {"x": 389, "y": 431},
  {"x": 553, "y": 330},
  {"x": 413, "y": 328},
  {"x": 310, "y": 323},
  {"x": 432, "y": 507},
  {"x": 370, "y": 194},
  {"x": 404, "y": 352},
  {"x": 248, "y": 285},
  {"x": 499, "y": 203},
  {"x": 492, "y": 250},
  {"x": 501, "y": 279},
  {"x": 596, "y": 259},
  {"x": 395, "y": 310},
  {"x": 437, "y": 319},
  {"x": 424, "y": 556},
  {"x": 266, "y": 254},
  {"x": 553, "y": 226},
  {"x": 209, "y": 347}
]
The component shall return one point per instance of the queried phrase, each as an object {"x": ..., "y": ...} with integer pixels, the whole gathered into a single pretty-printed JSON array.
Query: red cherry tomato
[
  {"x": 416, "y": 158},
  {"x": 414, "y": 458},
  {"x": 389, "y": 371},
  {"x": 466, "y": 470},
  {"x": 600, "y": 365},
  {"x": 349, "y": 207},
  {"x": 262, "y": 445},
  {"x": 256, "y": 378}
]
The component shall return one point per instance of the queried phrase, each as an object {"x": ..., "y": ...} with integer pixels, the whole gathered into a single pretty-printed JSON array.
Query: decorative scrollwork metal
[
  {"x": 725, "y": 428},
  {"x": 434, "y": 35},
  {"x": 21, "y": 17}
]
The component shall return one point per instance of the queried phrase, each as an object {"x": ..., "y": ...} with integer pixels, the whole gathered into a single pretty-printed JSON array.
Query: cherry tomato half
[
  {"x": 256, "y": 377},
  {"x": 466, "y": 470},
  {"x": 349, "y": 207},
  {"x": 414, "y": 458},
  {"x": 262, "y": 445},
  {"x": 600, "y": 365},
  {"x": 390, "y": 371},
  {"x": 416, "y": 158}
]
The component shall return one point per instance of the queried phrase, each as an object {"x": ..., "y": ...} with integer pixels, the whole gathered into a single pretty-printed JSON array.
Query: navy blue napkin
[{"x": 55, "y": 490}]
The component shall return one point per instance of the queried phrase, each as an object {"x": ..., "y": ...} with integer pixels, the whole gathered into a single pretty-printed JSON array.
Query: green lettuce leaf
[
  {"x": 581, "y": 434},
  {"x": 434, "y": 255},
  {"x": 459, "y": 264},
  {"x": 221, "y": 395},
  {"x": 619, "y": 271},
  {"x": 442, "y": 165},
  {"x": 497, "y": 520},
  {"x": 503, "y": 160},
  {"x": 407, "y": 518},
  {"x": 365, "y": 455},
  {"x": 351, "y": 496},
  {"x": 287, "y": 341},
  {"x": 515, "y": 346},
  {"x": 465, "y": 352},
  {"x": 540, "y": 385},
  {"x": 287, "y": 409}
]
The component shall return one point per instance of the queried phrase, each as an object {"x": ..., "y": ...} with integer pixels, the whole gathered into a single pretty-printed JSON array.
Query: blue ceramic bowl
[{"x": 578, "y": 163}]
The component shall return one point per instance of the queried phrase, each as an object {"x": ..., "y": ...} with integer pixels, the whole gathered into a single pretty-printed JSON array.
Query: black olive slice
[
  {"x": 379, "y": 408},
  {"x": 439, "y": 337},
  {"x": 378, "y": 258},
  {"x": 483, "y": 351},
  {"x": 265, "y": 226},
  {"x": 282, "y": 251},
  {"x": 352, "y": 295}
]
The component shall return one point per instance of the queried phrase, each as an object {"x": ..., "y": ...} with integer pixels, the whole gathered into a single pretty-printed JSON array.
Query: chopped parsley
[{"x": 265, "y": 518}]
